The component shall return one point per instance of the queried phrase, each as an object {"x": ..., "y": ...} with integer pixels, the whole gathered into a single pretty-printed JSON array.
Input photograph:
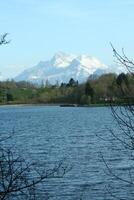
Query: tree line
[{"x": 100, "y": 90}]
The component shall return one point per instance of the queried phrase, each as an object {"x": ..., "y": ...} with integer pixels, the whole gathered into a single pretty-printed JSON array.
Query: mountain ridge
[{"x": 61, "y": 67}]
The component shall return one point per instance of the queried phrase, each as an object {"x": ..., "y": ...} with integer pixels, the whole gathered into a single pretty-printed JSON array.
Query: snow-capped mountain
[{"x": 62, "y": 67}]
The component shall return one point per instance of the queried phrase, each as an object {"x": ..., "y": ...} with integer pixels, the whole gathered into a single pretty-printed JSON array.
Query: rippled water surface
[{"x": 77, "y": 136}]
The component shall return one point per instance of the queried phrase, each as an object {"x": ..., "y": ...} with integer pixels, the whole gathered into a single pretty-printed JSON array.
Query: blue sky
[{"x": 40, "y": 28}]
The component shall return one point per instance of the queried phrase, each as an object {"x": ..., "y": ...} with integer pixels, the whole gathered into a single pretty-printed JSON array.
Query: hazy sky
[{"x": 40, "y": 28}]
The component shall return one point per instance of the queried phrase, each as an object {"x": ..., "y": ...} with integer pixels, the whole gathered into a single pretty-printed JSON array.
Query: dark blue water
[{"x": 78, "y": 137}]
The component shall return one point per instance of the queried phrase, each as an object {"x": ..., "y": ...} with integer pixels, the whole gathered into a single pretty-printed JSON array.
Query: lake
[{"x": 77, "y": 136}]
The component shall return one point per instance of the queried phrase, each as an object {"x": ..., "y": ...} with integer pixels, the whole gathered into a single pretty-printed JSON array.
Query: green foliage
[
  {"x": 9, "y": 97},
  {"x": 85, "y": 100},
  {"x": 72, "y": 83},
  {"x": 101, "y": 90},
  {"x": 89, "y": 90},
  {"x": 122, "y": 78}
]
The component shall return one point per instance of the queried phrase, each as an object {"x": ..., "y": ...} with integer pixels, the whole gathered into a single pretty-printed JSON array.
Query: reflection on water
[{"x": 51, "y": 134}]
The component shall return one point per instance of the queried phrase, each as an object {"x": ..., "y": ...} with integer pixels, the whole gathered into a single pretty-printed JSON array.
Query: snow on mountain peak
[
  {"x": 90, "y": 62},
  {"x": 61, "y": 59},
  {"x": 62, "y": 67}
]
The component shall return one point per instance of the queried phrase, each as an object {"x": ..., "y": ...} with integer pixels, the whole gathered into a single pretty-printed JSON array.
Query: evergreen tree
[{"x": 89, "y": 91}]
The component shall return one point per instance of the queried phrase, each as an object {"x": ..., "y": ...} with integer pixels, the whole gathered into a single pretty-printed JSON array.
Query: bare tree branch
[{"x": 3, "y": 39}]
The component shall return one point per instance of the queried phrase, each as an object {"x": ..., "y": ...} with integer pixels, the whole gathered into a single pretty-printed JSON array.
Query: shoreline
[{"x": 59, "y": 105}]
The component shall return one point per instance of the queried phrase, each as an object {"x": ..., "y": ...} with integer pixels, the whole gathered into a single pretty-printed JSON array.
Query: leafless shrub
[
  {"x": 3, "y": 39},
  {"x": 123, "y": 115},
  {"x": 20, "y": 179}
]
